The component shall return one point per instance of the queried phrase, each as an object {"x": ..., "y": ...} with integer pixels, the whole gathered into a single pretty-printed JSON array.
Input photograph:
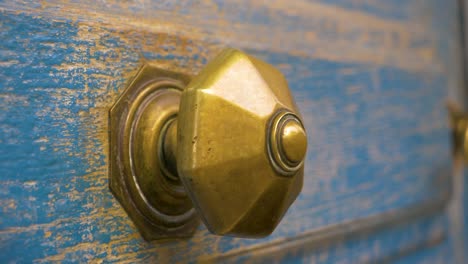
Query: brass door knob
[{"x": 226, "y": 146}]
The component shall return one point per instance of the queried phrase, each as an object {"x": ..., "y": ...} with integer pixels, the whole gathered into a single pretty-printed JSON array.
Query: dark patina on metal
[{"x": 157, "y": 204}]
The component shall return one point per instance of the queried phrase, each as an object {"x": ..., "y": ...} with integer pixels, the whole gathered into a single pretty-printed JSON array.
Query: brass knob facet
[{"x": 234, "y": 141}]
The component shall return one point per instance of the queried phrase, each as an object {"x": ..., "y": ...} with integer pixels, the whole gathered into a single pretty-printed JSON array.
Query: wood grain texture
[
  {"x": 441, "y": 253},
  {"x": 370, "y": 79}
]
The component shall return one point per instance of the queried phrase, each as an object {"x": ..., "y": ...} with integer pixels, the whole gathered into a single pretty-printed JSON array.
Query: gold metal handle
[
  {"x": 229, "y": 141},
  {"x": 459, "y": 125}
]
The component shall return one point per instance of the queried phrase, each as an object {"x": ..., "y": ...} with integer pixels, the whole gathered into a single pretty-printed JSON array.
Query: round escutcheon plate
[{"x": 153, "y": 197}]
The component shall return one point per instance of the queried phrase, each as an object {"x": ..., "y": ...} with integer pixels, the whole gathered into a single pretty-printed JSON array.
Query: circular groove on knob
[{"x": 287, "y": 143}]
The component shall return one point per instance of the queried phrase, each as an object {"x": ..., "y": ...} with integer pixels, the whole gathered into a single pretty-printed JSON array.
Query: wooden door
[{"x": 372, "y": 79}]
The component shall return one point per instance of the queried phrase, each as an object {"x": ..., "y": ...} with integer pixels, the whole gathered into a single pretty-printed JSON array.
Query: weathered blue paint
[
  {"x": 378, "y": 134},
  {"x": 387, "y": 245},
  {"x": 432, "y": 253}
]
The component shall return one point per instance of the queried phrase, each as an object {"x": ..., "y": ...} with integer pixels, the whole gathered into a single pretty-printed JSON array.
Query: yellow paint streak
[
  {"x": 327, "y": 32},
  {"x": 63, "y": 253}
]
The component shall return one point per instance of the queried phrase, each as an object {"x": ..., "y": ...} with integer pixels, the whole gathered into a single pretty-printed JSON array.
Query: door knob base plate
[{"x": 155, "y": 200}]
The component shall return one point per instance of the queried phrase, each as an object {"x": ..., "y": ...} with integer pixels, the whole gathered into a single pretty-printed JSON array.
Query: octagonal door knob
[{"x": 226, "y": 146}]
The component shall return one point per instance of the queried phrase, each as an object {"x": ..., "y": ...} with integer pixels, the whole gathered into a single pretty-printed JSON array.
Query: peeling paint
[{"x": 371, "y": 89}]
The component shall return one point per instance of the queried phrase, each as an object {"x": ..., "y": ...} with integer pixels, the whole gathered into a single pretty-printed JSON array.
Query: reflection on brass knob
[
  {"x": 293, "y": 141},
  {"x": 226, "y": 146},
  {"x": 288, "y": 143}
]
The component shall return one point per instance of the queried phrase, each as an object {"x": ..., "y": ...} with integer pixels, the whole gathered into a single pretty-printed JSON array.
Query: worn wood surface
[{"x": 370, "y": 77}]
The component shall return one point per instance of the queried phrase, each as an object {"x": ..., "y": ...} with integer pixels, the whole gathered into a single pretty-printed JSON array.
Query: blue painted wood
[
  {"x": 391, "y": 244},
  {"x": 442, "y": 253},
  {"x": 370, "y": 79}
]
